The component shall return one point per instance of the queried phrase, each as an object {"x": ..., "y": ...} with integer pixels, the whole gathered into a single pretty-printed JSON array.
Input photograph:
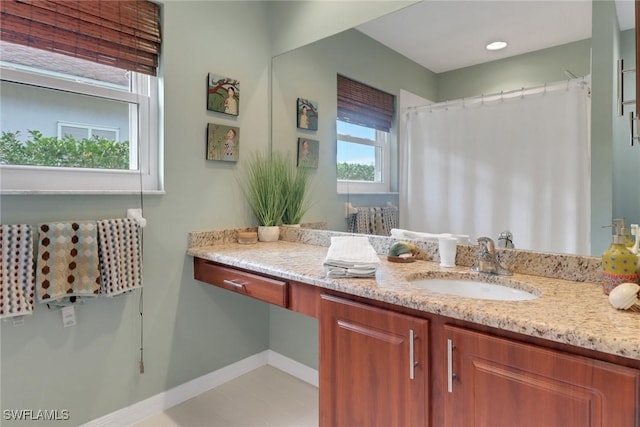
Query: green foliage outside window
[
  {"x": 38, "y": 150},
  {"x": 356, "y": 171}
]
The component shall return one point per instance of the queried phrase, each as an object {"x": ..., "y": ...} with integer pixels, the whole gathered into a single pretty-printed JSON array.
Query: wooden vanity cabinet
[
  {"x": 373, "y": 367},
  {"x": 252, "y": 285},
  {"x": 385, "y": 365},
  {"x": 493, "y": 381}
]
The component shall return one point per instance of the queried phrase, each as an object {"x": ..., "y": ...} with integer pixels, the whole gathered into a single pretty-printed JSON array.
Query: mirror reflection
[{"x": 609, "y": 188}]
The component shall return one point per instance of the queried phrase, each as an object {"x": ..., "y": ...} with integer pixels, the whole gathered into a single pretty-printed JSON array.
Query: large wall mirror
[{"x": 309, "y": 72}]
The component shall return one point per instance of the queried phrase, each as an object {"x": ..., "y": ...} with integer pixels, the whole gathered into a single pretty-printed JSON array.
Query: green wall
[
  {"x": 526, "y": 70},
  {"x": 297, "y": 23},
  {"x": 190, "y": 328}
]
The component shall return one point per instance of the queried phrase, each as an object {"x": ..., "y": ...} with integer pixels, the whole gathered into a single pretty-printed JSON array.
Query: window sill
[{"x": 81, "y": 192}]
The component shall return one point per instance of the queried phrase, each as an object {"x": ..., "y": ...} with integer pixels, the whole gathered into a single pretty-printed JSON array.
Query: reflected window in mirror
[{"x": 363, "y": 126}]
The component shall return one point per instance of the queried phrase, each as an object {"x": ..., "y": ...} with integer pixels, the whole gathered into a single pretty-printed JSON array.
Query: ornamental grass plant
[
  {"x": 262, "y": 184},
  {"x": 297, "y": 191}
]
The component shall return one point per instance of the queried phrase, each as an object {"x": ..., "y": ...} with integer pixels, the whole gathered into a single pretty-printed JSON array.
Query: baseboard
[
  {"x": 162, "y": 401},
  {"x": 291, "y": 367}
]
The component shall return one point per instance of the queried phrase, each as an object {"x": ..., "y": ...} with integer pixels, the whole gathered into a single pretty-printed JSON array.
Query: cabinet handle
[
  {"x": 631, "y": 119},
  {"x": 412, "y": 361},
  {"x": 238, "y": 286},
  {"x": 450, "y": 374}
]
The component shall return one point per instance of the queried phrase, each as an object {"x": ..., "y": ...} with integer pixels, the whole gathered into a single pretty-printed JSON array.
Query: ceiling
[{"x": 447, "y": 35}]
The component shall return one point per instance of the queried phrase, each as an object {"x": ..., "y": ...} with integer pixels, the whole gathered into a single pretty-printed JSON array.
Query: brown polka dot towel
[
  {"x": 17, "y": 283},
  {"x": 67, "y": 262},
  {"x": 120, "y": 258}
]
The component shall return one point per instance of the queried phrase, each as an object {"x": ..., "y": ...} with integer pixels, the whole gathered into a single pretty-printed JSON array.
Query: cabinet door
[
  {"x": 373, "y": 367},
  {"x": 498, "y": 382}
]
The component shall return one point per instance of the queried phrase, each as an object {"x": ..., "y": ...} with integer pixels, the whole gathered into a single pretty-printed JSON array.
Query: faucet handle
[{"x": 486, "y": 244}]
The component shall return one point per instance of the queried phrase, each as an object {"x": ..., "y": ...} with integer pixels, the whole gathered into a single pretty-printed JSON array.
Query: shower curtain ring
[{"x": 522, "y": 93}]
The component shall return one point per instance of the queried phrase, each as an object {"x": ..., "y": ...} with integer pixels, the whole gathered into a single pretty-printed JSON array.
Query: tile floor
[{"x": 264, "y": 397}]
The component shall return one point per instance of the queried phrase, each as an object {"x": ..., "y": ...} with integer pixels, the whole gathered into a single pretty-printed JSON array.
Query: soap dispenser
[
  {"x": 619, "y": 264},
  {"x": 635, "y": 231}
]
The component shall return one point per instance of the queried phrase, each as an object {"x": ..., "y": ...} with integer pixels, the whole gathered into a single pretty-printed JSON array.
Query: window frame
[
  {"x": 89, "y": 128},
  {"x": 382, "y": 164},
  {"x": 144, "y": 95}
]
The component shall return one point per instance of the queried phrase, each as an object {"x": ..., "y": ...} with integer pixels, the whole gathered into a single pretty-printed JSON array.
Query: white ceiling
[{"x": 447, "y": 35}]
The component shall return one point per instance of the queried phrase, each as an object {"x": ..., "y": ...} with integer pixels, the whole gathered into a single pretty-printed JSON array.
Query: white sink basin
[{"x": 473, "y": 289}]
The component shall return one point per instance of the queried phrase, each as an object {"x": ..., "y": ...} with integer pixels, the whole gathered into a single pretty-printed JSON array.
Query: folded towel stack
[
  {"x": 351, "y": 256},
  {"x": 17, "y": 283}
]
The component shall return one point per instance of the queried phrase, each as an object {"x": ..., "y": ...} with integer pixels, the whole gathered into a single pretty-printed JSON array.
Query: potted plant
[
  {"x": 297, "y": 191},
  {"x": 262, "y": 184}
]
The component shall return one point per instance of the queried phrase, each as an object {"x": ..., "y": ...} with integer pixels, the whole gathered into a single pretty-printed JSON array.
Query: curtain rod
[{"x": 580, "y": 81}]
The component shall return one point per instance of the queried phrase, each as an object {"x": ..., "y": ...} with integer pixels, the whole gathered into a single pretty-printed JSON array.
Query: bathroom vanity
[{"x": 393, "y": 354}]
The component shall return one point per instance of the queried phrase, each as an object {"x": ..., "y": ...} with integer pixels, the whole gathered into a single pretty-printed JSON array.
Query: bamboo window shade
[
  {"x": 120, "y": 33},
  {"x": 364, "y": 105}
]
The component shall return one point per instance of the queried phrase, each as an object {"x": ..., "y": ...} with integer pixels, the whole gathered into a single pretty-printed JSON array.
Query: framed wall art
[
  {"x": 223, "y": 142},
  {"x": 308, "y": 153},
  {"x": 307, "y": 112},
  {"x": 223, "y": 94}
]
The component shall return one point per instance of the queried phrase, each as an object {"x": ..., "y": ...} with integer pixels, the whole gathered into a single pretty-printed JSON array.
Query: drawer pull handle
[{"x": 239, "y": 286}]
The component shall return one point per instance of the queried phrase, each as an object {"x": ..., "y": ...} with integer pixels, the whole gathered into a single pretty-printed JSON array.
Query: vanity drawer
[{"x": 259, "y": 287}]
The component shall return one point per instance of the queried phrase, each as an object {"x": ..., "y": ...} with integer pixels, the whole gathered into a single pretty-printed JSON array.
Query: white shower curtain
[{"x": 519, "y": 162}]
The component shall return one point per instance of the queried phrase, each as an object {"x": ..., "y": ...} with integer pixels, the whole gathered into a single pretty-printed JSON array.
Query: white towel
[
  {"x": 351, "y": 256},
  {"x": 406, "y": 234}
]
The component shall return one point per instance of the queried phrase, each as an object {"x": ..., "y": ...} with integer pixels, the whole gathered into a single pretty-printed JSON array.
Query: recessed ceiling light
[{"x": 496, "y": 45}]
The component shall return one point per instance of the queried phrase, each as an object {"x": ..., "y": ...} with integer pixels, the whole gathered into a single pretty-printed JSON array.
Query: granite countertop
[{"x": 575, "y": 313}]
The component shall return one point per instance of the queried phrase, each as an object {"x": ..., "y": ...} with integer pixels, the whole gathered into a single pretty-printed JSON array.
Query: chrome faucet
[{"x": 486, "y": 261}]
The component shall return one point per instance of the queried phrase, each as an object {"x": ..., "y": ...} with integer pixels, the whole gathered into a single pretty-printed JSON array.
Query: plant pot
[{"x": 269, "y": 233}]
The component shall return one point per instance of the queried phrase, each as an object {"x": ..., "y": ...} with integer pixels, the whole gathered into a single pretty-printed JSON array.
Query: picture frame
[
  {"x": 223, "y": 142},
  {"x": 308, "y": 153},
  {"x": 306, "y": 114},
  {"x": 223, "y": 94}
]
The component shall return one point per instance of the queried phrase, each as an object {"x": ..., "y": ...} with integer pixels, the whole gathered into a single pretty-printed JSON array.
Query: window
[
  {"x": 83, "y": 131},
  {"x": 79, "y": 103},
  {"x": 363, "y": 159},
  {"x": 364, "y": 140}
]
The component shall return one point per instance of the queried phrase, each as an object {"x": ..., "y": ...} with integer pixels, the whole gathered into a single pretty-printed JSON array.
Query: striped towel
[
  {"x": 17, "y": 284},
  {"x": 120, "y": 257},
  {"x": 67, "y": 263},
  {"x": 374, "y": 220}
]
